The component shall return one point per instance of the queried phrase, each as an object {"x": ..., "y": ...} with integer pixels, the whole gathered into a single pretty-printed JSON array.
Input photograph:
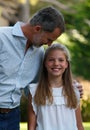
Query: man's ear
[{"x": 38, "y": 28}]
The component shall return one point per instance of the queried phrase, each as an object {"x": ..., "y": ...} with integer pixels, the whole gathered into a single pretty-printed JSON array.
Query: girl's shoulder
[{"x": 32, "y": 88}]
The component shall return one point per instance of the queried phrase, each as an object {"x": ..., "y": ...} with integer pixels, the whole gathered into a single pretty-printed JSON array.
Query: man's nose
[{"x": 48, "y": 42}]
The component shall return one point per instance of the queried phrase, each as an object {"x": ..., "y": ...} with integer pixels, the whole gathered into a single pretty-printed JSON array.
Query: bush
[
  {"x": 23, "y": 108},
  {"x": 85, "y": 110}
]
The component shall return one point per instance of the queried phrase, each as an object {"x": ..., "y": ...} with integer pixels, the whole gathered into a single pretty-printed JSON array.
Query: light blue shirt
[{"x": 17, "y": 69}]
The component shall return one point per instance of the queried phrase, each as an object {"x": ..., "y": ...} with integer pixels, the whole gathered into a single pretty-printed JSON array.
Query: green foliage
[
  {"x": 78, "y": 31},
  {"x": 85, "y": 110},
  {"x": 80, "y": 59},
  {"x": 23, "y": 108}
]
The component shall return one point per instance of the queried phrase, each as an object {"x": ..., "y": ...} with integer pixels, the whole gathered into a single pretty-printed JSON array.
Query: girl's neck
[{"x": 56, "y": 82}]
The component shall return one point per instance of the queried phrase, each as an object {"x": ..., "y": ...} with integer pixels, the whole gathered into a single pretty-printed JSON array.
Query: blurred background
[{"x": 76, "y": 38}]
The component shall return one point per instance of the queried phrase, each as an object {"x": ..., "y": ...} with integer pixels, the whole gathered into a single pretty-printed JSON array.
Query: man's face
[{"x": 45, "y": 38}]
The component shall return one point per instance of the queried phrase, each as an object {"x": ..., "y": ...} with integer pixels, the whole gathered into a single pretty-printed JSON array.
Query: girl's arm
[
  {"x": 31, "y": 115},
  {"x": 79, "y": 119}
]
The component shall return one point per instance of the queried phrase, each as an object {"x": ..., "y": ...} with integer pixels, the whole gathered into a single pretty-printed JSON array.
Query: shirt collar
[{"x": 17, "y": 31}]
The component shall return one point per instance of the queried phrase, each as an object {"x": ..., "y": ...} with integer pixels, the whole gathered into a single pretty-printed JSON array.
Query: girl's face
[{"x": 56, "y": 63}]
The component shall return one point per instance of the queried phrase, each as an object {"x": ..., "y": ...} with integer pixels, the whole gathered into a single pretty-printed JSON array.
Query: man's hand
[{"x": 80, "y": 88}]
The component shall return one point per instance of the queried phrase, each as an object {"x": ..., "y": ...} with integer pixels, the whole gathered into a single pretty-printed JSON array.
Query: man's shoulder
[
  {"x": 41, "y": 48},
  {"x": 5, "y": 29}
]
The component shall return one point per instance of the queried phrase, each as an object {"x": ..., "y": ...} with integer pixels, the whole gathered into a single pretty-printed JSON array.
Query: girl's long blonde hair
[{"x": 44, "y": 92}]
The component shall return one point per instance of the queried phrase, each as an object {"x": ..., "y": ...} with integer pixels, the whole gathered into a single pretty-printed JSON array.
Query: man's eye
[{"x": 49, "y": 40}]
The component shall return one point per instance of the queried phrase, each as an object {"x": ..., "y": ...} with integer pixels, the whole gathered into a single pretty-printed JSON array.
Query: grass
[
  {"x": 87, "y": 125},
  {"x": 23, "y": 126}
]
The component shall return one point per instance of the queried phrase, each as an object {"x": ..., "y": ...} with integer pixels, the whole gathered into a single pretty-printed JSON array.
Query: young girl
[{"x": 54, "y": 101}]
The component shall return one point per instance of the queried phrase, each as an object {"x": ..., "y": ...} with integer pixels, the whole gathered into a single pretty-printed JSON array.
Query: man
[{"x": 20, "y": 57}]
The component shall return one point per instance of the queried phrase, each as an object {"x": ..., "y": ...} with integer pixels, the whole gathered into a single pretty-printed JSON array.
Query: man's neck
[{"x": 28, "y": 44}]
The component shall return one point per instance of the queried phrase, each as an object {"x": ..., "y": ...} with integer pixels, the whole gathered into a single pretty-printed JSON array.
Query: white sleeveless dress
[{"x": 56, "y": 116}]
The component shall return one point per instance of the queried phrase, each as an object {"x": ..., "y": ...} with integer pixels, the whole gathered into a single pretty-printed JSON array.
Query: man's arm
[
  {"x": 80, "y": 90},
  {"x": 79, "y": 86}
]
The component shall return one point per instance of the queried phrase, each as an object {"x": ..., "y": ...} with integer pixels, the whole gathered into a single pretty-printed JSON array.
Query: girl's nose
[{"x": 56, "y": 62}]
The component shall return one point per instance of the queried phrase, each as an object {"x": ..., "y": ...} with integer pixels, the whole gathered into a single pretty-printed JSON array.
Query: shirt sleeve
[
  {"x": 41, "y": 56},
  {"x": 1, "y": 44}
]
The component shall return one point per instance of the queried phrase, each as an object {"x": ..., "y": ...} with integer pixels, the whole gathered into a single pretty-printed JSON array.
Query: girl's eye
[
  {"x": 50, "y": 59},
  {"x": 61, "y": 60}
]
